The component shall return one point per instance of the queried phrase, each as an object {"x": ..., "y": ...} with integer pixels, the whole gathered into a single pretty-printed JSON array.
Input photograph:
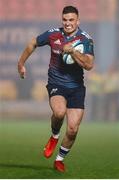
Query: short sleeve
[
  {"x": 89, "y": 47},
  {"x": 43, "y": 39}
]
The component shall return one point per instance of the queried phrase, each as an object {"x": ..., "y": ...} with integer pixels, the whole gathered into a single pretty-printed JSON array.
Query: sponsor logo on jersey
[{"x": 57, "y": 51}]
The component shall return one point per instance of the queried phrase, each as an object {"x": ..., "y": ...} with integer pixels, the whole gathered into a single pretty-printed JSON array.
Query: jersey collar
[{"x": 73, "y": 36}]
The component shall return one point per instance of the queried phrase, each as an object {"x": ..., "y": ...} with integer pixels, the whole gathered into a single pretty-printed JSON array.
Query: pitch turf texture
[{"x": 95, "y": 153}]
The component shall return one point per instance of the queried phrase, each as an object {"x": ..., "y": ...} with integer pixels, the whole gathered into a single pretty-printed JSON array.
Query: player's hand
[
  {"x": 67, "y": 48},
  {"x": 21, "y": 70}
]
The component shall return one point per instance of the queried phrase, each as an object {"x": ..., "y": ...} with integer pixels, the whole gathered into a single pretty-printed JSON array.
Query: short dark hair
[{"x": 70, "y": 9}]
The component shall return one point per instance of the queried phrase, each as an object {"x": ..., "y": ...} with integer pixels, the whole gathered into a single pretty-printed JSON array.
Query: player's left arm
[{"x": 86, "y": 60}]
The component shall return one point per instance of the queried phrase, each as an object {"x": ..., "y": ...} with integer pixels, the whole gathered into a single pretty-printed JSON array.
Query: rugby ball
[{"x": 76, "y": 45}]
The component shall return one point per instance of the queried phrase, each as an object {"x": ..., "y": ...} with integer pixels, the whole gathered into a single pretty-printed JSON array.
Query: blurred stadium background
[
  {"x": 95, "y": 153},
  {"x": 20, "y": 20}
]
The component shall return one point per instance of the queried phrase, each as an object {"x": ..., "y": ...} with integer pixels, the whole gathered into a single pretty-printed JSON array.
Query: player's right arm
[
  {"x": 40, "y": 40},
  {"x": 26, "y": 53}
]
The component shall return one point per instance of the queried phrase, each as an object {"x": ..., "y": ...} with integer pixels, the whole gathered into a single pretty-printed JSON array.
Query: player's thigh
[
  {"x": 58, "y": 104},
  {"x": 74, "y": 117}
]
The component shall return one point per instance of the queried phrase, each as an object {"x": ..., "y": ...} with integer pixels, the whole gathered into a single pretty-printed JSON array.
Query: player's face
[{"x": 70, "y": 23}]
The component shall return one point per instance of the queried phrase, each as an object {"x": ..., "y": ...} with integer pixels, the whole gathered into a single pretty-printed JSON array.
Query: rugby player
[{"x": 65, "y": 85}]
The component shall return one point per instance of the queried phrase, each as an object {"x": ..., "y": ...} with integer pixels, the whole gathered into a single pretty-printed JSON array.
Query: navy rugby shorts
[{"x": 75, "y": 97}]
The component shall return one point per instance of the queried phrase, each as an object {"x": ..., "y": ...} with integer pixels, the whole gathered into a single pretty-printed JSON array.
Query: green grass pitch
[{"x": 95, "y": 153}]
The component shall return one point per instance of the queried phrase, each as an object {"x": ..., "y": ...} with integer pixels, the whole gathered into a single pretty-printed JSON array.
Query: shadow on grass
[
  {"x": 40, "y": 172},
  {"x": 25, "y": 166}
]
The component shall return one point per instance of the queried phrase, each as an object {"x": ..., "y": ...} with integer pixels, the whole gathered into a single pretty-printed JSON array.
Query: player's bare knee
[{"x": 59, "y": 114}]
